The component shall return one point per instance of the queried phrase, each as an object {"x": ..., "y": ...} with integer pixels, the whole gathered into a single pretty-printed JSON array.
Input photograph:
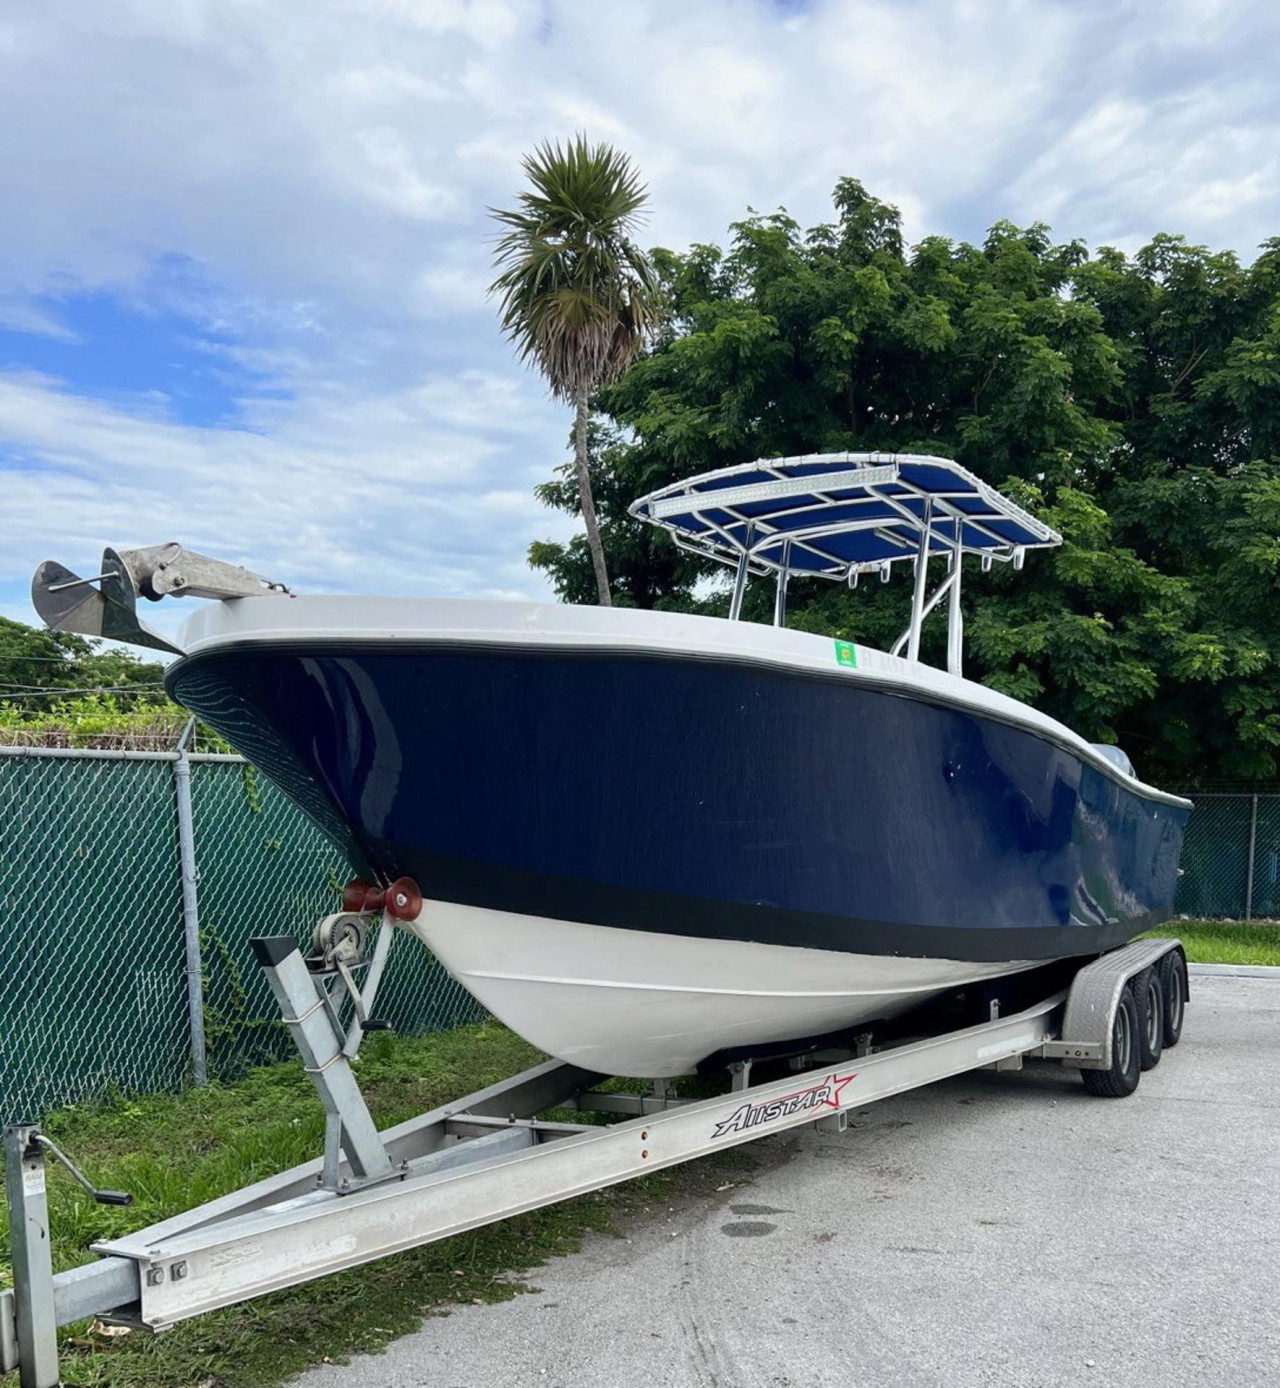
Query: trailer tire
[
  {"x": 1126, "y": 1069},
  {"x": 1173, "y": 986},
  {"x": 1149, "y": 996}
]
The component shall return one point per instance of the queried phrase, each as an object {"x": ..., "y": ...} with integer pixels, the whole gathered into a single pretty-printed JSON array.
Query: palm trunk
[{"x": 587, "y": 501}]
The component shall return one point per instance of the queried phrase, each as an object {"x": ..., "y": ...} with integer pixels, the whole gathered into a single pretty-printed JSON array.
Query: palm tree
[{"x": 578, "y": 298}]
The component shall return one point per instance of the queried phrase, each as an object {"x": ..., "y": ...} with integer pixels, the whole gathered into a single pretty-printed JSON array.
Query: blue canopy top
[{"x": 837, "y": 514}]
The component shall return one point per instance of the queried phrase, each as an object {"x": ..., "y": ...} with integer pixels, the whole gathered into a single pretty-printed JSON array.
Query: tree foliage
[
  {"x": 576, "y": 294},
  {"x": 36, "y": 666},
  {"x": 1132, "y": 401},
  {"x": 58, "y": 689},
  {"x": 102, "y": 721}
]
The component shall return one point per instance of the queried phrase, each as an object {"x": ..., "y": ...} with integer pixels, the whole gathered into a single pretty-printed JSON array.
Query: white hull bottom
[{"x": 633, "y": 1002}]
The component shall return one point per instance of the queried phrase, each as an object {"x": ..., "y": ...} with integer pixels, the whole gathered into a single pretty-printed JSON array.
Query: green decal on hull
[{"x": 846, "y": 653}]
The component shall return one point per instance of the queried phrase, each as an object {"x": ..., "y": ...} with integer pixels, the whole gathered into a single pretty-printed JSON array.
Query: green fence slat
[
  {"x": 92, "y": 994},
  {"x": 1266, "y": 858}
]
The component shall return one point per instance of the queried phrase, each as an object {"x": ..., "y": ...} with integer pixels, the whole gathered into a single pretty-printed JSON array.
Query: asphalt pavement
[{"x": 996, "y": 1229}]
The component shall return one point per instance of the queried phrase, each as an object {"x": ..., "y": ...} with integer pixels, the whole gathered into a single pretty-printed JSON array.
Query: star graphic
[{"x": 837, "y": 1084}]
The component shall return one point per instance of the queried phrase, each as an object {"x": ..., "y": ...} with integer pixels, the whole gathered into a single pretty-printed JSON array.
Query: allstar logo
[{"x": 825, "y": 1094}]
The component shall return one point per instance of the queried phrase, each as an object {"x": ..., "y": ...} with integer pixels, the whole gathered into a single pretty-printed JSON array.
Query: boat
[{"x": 643, "y": 837}]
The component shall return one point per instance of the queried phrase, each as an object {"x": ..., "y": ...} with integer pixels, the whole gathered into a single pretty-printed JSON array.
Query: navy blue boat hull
[{"x": 698, "y": 797}]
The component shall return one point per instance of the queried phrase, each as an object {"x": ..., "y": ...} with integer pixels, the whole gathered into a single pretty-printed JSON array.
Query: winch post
[
  {"x": 302, "y": 1004},
  {"x": 36, "y": 1324}
]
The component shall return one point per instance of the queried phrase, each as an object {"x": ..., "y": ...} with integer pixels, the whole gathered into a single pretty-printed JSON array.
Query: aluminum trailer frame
[{"x": 475, "y": 1160}]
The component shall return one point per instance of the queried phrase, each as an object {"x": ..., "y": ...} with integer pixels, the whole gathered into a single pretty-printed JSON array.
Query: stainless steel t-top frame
[
  {"x": 486, "y": 1156},
  {"x": 839, "y": 515}
]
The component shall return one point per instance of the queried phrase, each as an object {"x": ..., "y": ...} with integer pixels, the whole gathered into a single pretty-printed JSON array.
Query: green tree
[
  {"x": 39, "y": 668},
  {"x": 1132, "y": 401},
  {"x": 577, "y": 296}
]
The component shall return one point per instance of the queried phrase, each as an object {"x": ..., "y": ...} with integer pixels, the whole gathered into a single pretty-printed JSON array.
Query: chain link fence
[
  {"x": 94, "y": 962},
  {"x": 1231, "y": 857}
]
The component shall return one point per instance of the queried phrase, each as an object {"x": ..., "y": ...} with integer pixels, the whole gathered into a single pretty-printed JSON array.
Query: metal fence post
[
  {"x": 190, "y": 906},
  {"x": 1253, "y": 845}
]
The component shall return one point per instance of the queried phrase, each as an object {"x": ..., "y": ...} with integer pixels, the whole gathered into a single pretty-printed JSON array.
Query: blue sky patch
[{"x": 136, "y": 355}]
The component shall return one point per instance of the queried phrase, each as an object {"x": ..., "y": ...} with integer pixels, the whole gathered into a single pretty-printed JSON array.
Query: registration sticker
[{"x": 846, "y": 654}]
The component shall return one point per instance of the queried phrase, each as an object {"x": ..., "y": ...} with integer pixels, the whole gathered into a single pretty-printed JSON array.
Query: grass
[
  {"x": 1227, "y": 942},
  {"x": 179, "y": 1150}
]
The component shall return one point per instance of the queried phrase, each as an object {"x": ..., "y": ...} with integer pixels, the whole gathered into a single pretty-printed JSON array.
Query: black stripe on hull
[{"x": 557, "y": 898}]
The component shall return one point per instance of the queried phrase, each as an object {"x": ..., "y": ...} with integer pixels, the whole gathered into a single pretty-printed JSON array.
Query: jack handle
[{"x": 103, "y": 1197}]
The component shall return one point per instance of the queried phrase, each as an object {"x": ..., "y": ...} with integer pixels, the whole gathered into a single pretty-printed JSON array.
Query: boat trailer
[{"x": 490, "y": 1155}]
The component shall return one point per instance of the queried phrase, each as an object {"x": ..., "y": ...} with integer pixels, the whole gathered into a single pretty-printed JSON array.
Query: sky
[{"x": 245, "y": 248}]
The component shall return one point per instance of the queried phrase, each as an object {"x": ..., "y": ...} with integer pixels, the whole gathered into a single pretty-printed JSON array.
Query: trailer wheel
[
  {"x": 1172, "y": 970},
  {"x": 1126, "y": 1069},
  {"x": 1149, "y": 996}
]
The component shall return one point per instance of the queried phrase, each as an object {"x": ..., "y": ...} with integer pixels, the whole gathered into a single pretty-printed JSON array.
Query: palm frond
[{"x": 576, "y": 295}]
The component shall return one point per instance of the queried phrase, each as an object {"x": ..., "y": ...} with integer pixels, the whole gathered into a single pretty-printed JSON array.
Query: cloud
[
  {"x": 1206, "y": 155},
  {"x": 23, "y": 316},
  {"x": 345, "y": 151},
  {"x": 388, "y": 492},
  {"x": 305, "y": 188}
]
